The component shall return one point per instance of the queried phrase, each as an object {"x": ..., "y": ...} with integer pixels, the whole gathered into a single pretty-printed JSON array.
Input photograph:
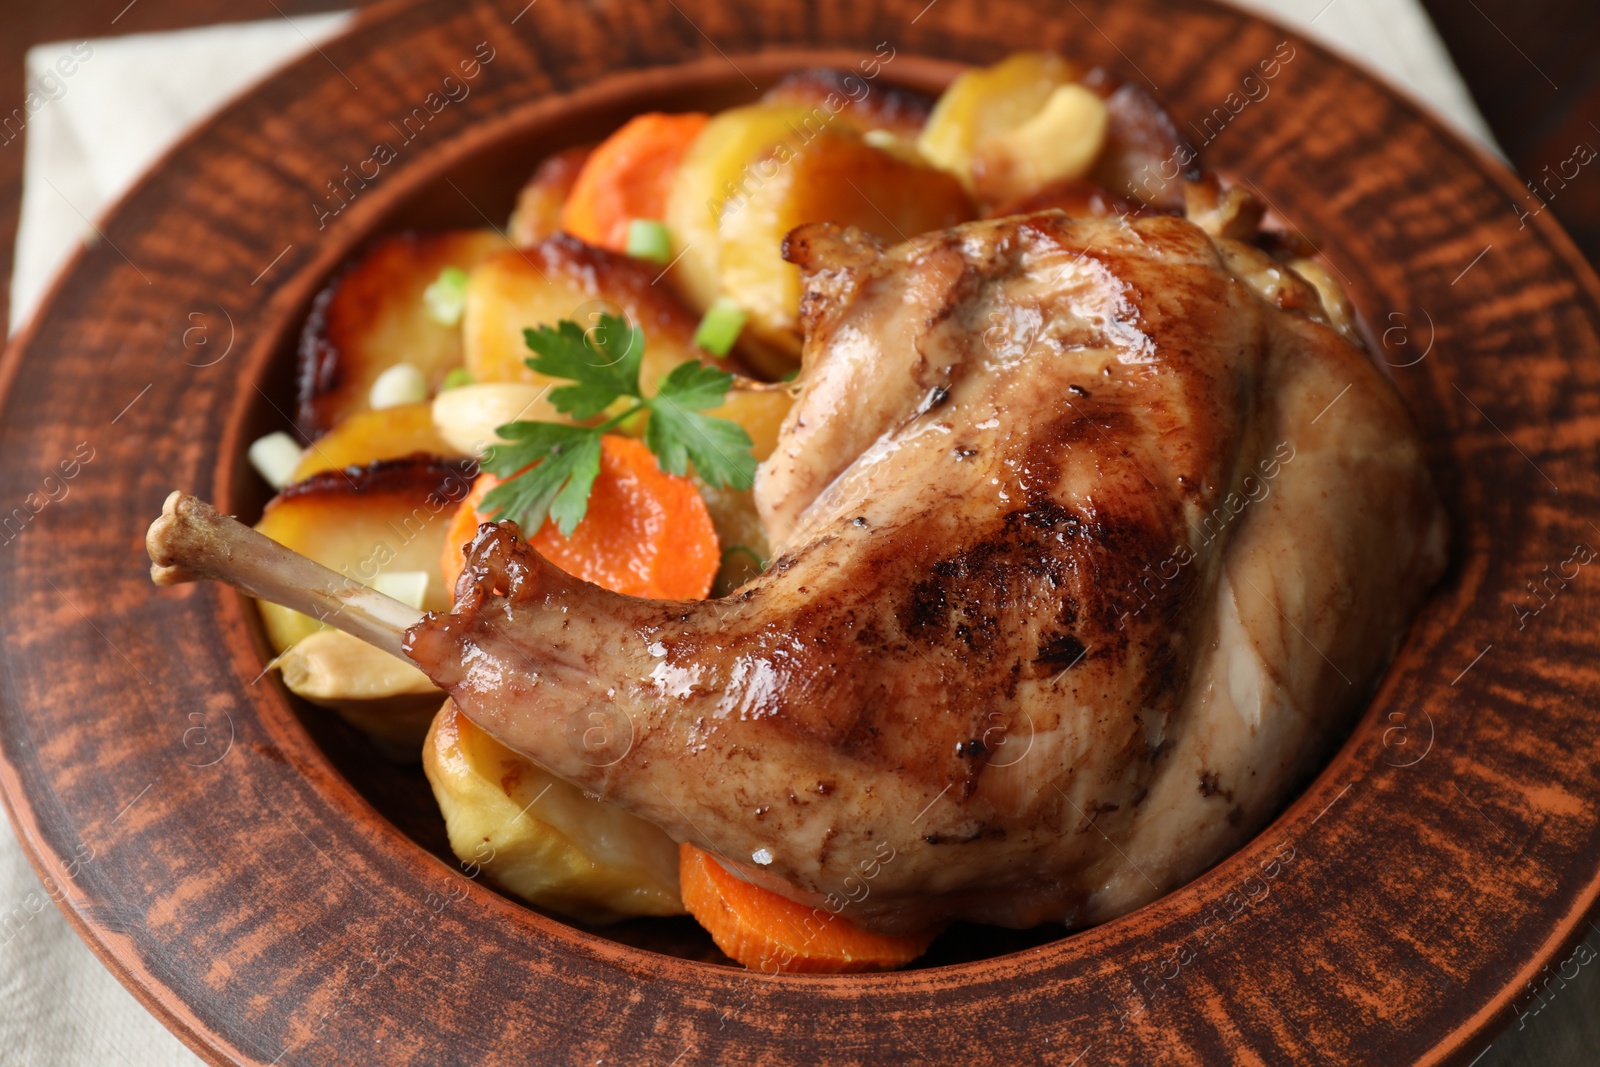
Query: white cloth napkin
[
  {"x": 107, "y": 121},
  {"x": 116, "y": 113}
]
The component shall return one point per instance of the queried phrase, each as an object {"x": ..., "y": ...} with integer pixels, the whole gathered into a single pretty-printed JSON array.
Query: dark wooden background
[{"x": 1533, "y": 67}]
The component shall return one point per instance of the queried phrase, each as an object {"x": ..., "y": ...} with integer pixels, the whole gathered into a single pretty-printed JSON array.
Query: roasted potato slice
[
  {"x": 368, "y": 436},
  {"x": 1061, "y": 141},
  {"x": 983, "y": 103},
  {"x": 542, "y": 839},
  {"x": 386, "y": 698},
  {"x": 835, "y": 177},
  {"x": 755, "y": 173},
  {"x": 1010, "y": 130},
  {"x": 722, "y": 164},
  {"x": 855, "y": 100},
  {"x": 365, "y": 521},
  {"x": 538, "y": 211},
  {"x": 563, "y": 278},
  {"x": 372, "y": 317}
]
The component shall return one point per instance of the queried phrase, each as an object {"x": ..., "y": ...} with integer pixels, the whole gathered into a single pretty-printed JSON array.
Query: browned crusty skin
[{"x": 1079, "y": 569}]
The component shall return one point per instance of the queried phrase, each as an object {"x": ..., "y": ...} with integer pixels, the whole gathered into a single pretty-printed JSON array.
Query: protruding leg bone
[{"x": 192, "y": 541}]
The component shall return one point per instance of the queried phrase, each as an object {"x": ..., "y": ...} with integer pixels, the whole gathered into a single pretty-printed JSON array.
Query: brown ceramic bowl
[{"x": 277, "y": 894}]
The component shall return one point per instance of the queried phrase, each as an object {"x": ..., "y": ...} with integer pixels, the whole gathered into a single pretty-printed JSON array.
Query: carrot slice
[
  {"x": 647, "y": 533},
  {"x": 628, "y": 177},
  {"x": 770, "y": 933}
]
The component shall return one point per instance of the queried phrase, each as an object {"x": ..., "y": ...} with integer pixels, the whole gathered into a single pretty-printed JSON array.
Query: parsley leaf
[
  {"x": 548, "y": 469},
  {"x": 718, "y": 448},
  {"x": 695, "y": 386},
  {"x": 603, "y": 361},
  {"x": 564, "y": 462}
]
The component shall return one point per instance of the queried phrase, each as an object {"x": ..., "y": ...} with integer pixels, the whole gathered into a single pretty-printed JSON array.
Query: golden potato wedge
[
  {"x": 563, "y": 278},
  {"x": 538, "y": 211},
  {"x": 721, "y": 164},
  {"x": 835, "y": 177},
  {"x": 368, "y": 436},
  {"x": 542, "y": 839},
  {"x": 385, "y": 517},
  {"x": 372, "y": 317},
  {"x": 982, "y": 104},
  {"x": 756, "y": 172},
  {"x": 1059, "y": 142},
  {"x": 856, "y": 100},
  {"x": 987, "y": 101},
  {"x": 386, "y": 698}
]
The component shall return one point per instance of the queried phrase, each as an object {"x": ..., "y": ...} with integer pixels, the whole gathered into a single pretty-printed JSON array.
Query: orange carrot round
[
  {"x": 770, "y": 933},
  {"x": 628, "y": 177},
  {"x": 647, "y": 533}
]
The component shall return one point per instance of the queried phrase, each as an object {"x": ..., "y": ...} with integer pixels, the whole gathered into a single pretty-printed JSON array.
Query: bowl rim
[{"x": 1343, "y": 766}]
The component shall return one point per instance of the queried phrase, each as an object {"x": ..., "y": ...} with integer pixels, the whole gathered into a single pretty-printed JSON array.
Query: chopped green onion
[
  {"x": 720, "y": 327},
  {"x": 447, "y": 296},
  {"x": 400, "y": 384},
  {"x": 275, "y": 458},
  {"x": 459, "y": 377},
  {"x": 649, "y": 239},
  {"x": 408, "y": 587}
]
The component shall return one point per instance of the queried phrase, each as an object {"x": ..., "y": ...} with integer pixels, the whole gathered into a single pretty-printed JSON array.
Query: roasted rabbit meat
[{"x": 1087, "y": 548}]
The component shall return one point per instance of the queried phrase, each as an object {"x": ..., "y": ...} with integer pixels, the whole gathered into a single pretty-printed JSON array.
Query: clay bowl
[{"x": 277, "y": 894}]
